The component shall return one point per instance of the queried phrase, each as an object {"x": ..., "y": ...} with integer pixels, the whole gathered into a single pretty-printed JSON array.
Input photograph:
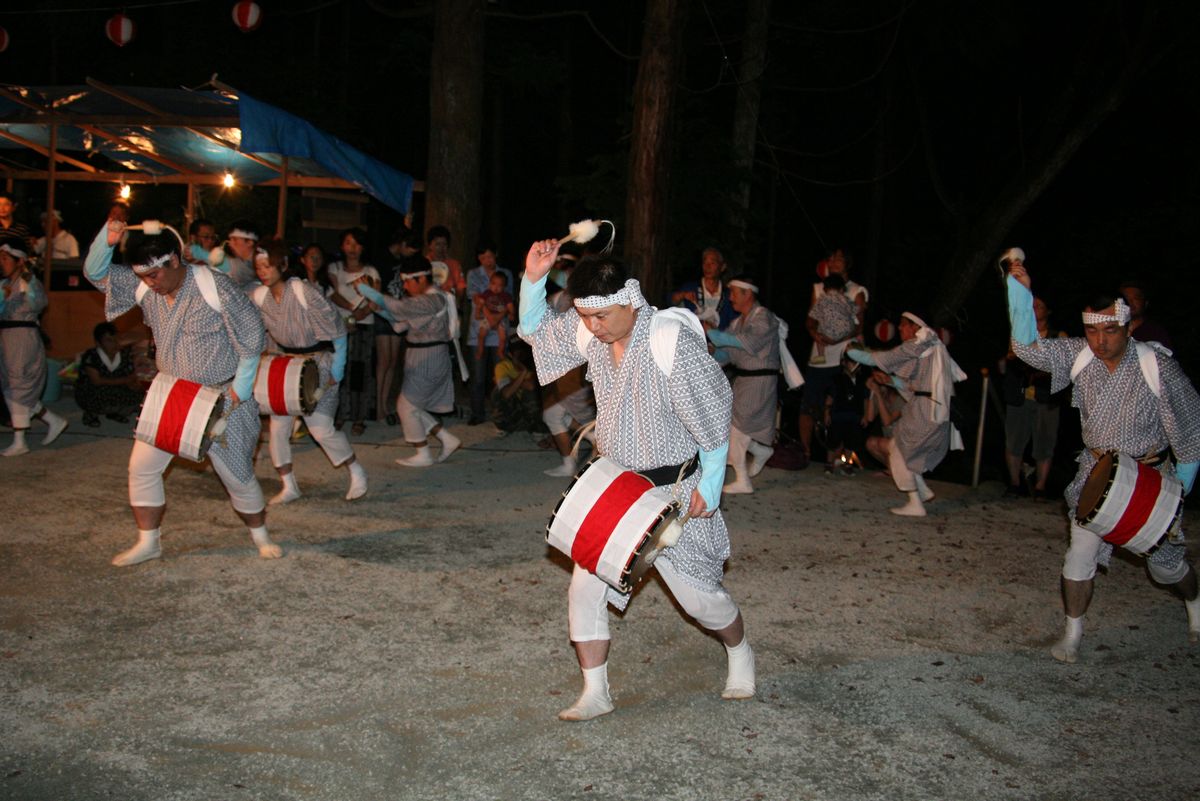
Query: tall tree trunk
[
  {"x": 745, "y": 112},
  {"x": 456, "y": 123},
  {"x": 650, "y": 156}
]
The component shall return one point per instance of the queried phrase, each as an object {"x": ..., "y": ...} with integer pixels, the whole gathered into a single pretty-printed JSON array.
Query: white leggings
[
  {"x": 147, "y": 464},
  {"x": 20, "y": 414},
  {"x": 1080, "y": 561},
  {"x": 587, "y": 613},
  {"x": 557, "y": 418},
  {"x": 900, "y": 472},
  {"x": 332, "y": 441},
  {"x": 416, "y": 423}
]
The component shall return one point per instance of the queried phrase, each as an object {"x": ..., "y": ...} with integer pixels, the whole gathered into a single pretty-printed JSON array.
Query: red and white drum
[
  {"x": 287, "y": 385},
  {"x": 609, "y": 522},
  {"x": 1129, "y": 503},
  {"x": 178, "y": 416}
]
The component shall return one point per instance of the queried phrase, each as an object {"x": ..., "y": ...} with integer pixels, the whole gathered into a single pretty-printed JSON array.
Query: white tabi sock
[
  {"x": 422, "y": 458},
  {"x": 1193, "y": 610},
  {"x": 564, "y": 470},
  {"x": 289, "y": 492},
  {"x": 18, "y": 446},
  {"x": 56, "y": 424},
  {"x": 759, "y": 454},
  {"x": 736, "y": 458},
  {"x": 1067, "y": 648},
  {"x": 594, "y": 701},
  {"x": 739, "y": 685},
  {"x": 450, "y": 444},
  {"x": 914, "y": 507},
  {"x": 358, "y": 481},
  {"x": 266, "y": 548},
  {"x": 147, "y": 548}
]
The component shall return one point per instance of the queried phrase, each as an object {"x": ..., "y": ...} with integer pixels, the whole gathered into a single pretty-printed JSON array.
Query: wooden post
[
  {"x": 983, "y": 397},
  {"x": 51, "y": 172},
  {"x": 189, "y": 212},
  {"x": 281, "y": 216}
]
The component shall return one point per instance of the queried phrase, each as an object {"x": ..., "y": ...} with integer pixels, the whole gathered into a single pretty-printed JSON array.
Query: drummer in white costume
[
  {"x": 1120, "y": 411},
  {"x": 922, "y": 371},
  {"x": 645, "y": 419},
  {"x": 752, "y": 344},
  {"x": 429, "y": 317},
  {"x": 22, "y": 355},
  {"x": 300, "y": 321},
  {"x": 215, "y": 341}
]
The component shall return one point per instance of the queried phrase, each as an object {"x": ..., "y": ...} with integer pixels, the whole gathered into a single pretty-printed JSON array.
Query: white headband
[
  {"x": 418, "y": 274},
  {"x": 1122, "y": 315},
  {"x": 153, "y": 264},
  {"x": 1012, "y": 254},
  {"x": 914, "y": 318},
  {"x": 628, "y": 295},
  {"x": 15, "y": 252},
  {"x": 261, "y": 255},
  {"x": 253, "y": 237},
  {"x": 744, "y": 285}
]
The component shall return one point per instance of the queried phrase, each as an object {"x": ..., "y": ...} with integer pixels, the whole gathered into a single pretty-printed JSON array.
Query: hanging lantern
[
  {"x": 3, "y": 40},
  {"x": 247, "y": 16},
  {"x": 119, "y": 29},
  {"x": 823, "y": 269},
  {"x": 945, "y": 335},
  {"x": 884, "y": 330}
]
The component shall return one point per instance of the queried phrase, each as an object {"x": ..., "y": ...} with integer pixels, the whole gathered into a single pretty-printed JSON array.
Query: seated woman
[{"x": 107, "y": 384}]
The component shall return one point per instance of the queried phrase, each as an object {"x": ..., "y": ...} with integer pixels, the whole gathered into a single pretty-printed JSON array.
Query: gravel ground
[{"x": 413, "y": 645}]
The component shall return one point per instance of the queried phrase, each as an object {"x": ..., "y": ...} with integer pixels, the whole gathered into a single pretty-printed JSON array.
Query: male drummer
[
  {"x": 207, "y": 331},
  {"x": 1132, "y": 398},
  {"x": 662, "y": 404}
]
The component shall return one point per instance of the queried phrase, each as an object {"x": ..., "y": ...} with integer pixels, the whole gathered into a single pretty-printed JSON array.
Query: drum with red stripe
[
  {"x": 609, "y": 522},
  {"x": 178, "y": 416},
  {"x": 1129, "y": 503},
  {"x": 287, "y": 385}
]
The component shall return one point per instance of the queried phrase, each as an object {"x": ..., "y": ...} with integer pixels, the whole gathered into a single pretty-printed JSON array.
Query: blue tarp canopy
[{"x": 136, "y": 134}]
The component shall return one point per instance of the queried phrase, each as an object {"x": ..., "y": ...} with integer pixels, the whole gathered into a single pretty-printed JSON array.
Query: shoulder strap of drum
[
  {"x": 664, "y": 335},
  {"x": 297, "y": 290},
  {"x": 259, "y": 295},
  {"x": 583, "y": 338},
  {"x": 1148, "y": 361},
  {"x": 207, "y": 284}
]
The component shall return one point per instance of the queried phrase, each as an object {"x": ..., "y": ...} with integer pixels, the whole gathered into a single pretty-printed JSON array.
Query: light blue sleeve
[
  {"x": 532, "y": 306},
  {"x": 721, "y": 356},
  {"x": 1020, "y": 312},
  {"x": 1186, "y": 471},
  {"x": 712, "y": 465},
  {"x": 861, "y": 356},
  {"x": 723, "y": 339},
  {"x": 243, "y": 379},
  {"x": 99, "y": 257},
  {"x": 375, "y": 296},
  {"x": 338, "y": 368}
]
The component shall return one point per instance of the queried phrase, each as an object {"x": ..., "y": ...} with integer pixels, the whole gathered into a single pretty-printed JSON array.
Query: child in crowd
[
  {"x": 845, "y": 418},
  {"x": 494, "y": 307},
  {"x": 836, "y": 314}
]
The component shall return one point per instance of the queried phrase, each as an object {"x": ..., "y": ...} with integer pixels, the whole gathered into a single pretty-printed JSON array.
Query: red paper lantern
[
  {"x": 119, "y": 29},
  {"x": 3, "y": 40},
  {"x": 945, "y": 335},
  {"x": 247, "y": 16},
  {"x": 823, "y": 269},
  {"x": 884, "y": 330}
]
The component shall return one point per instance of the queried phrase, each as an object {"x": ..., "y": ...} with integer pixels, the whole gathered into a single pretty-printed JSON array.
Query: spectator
[
  {"x": 478, "y": 280},
  {"x": 9, "y": 227},
  {"x": 833, "y": 317},
  {"x": 515, "y": 402},
  {"x": 1141, "y": 327},
  {"x": 845, "y": 418},
  {"x": 1030, "y": 414},
  {"x": 438, "y": 249},
  {"x": 107, "y": 384},
  {"x": 316, "y": 269},
  {"x": 494, "y": 308},
  {"x": 708, "y": 297},
  {"x": 202, "y": 238},
  {"x": 884, "y": 407},
  {"x": 358, "y": 387},
  {"x": 65, "y": 245}
]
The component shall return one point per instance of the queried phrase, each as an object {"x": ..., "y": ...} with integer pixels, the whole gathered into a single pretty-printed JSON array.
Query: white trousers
[
  {"x": 21, "y": 415},
  {"x": 1080, "y": 561},
  {"x": 333, "y": 442},
  {"x": 900, "y": 472},
  {"x": 147, "y": 464},
  {"x": 557, "y": 418},
  {"x": 416, "y": 423},
  {"x": 587, "y": 611}
]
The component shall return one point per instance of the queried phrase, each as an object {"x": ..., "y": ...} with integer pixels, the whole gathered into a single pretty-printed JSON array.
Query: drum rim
[{"x": 1083, "y": 520}]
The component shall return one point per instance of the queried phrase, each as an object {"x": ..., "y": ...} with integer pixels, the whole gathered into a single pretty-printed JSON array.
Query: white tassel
[{"x": 586, "y": 230}]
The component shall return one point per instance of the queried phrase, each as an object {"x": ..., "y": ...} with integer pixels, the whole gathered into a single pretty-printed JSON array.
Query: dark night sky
[{"x": 840, "y": 114}]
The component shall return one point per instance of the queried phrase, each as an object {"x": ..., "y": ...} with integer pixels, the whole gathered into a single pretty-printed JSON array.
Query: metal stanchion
[{"x": 983, "y": 396}]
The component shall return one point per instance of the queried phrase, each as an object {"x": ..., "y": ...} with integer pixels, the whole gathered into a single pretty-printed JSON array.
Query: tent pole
[
  {"x": 189, "y": 213},
  {"x": 281, "y": 218},
  {"x": 52, "y": 171}
]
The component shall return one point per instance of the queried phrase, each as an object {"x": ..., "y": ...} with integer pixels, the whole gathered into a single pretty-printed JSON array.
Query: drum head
[
  {"x": 310, "y": 381},
  {"x": 1096, "y": 487},
  {"x": 651, "y": 547}
]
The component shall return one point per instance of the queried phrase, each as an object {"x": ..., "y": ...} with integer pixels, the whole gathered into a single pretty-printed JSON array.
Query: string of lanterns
[{"x": 120, "y": 28}]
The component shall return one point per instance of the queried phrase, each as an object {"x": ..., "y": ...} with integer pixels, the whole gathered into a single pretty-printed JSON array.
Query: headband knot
[{"x": 1122, "y": 315}]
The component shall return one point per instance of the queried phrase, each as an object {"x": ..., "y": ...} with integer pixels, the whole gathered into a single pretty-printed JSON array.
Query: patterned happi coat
[
  {"x": 922, "y": 440},
  {"x": 755, "y": 396},
  {"x": 195, "y": 342},
  {"x": 645, "y": 419},
  {"x": 22, "y": 355},
  {"x": 429, "y": 371},
  {"x": 292, "y": 325},
  {"x": 1118, "y": 410}
]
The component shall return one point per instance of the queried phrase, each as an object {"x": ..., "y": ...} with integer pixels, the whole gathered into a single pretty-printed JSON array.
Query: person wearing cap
[
  {"x": 301, "y": 322},
  {"x": 1134, "y": 399},
  {"x": 65, "y": 246},
  {"x": 753, "y": 344},
  {"x": 430, "y": 318},
  {"x": 921, "y": 370},
  {"x": 662, "y": 409},
  {"x": 22, "y": 354},
  {"x": 206, "y": 331}
]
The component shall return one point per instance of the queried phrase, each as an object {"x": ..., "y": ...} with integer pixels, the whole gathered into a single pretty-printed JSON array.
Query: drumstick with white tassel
[{"x": 586, "y": 230}]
